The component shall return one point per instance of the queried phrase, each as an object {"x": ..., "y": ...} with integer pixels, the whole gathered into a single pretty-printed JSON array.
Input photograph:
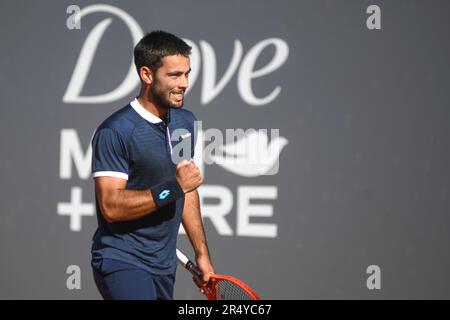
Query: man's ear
[{"x": 146, "y": 75}]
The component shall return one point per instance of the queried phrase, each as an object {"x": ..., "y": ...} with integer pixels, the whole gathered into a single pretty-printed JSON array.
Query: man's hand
[
  {"x": 188, "y": 176},
  {"x": 206, "y": 268}
]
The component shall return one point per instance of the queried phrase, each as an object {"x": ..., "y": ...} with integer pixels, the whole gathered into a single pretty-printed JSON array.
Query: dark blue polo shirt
[{"x": 135, "y": 145}]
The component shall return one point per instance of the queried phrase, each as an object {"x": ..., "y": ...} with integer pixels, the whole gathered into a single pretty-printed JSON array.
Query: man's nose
[{"x": 184, "y": 82}]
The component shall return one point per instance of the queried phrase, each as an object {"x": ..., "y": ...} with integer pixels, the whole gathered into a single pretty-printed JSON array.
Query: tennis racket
[{"x": 219, "y": 287}]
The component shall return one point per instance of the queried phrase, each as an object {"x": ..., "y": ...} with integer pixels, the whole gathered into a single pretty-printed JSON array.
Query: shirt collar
[{"x": 144, "y": 113}]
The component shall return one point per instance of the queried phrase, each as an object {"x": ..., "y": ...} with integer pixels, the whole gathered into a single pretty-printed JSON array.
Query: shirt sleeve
[{"x": 109, "y": 155}]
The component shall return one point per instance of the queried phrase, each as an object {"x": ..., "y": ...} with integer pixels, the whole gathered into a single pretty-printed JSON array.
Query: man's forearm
[
  {"x": 120, "y": 204},
  {"x": 193, "y": 225},
  {"x": 124, "y": 205}
]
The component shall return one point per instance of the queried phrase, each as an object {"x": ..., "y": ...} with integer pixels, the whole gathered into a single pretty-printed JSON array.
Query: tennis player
[{"x": 142, "y": 196}]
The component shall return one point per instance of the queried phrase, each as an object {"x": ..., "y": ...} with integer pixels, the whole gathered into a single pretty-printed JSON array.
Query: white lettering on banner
[
  {"x": 247, "y": 74},
  {"x": 195, "y": 63},
  {"x": 75, "y": 209},
  {"x": 247, "y": 210},
  {"x": 87, "y": 53},
  {"x": 210, "y": 89},
  {"x": 70, "y": 149},
  {"x": 72, "y": 152},
  {"x": 217, "y": 213},
  {"x": 251, "y": 155}
]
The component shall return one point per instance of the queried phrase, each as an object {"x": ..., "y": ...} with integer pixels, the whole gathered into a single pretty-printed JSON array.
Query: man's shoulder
[
  {"x": 123, "y": 121},
  {"x": 183, "y": 114}
]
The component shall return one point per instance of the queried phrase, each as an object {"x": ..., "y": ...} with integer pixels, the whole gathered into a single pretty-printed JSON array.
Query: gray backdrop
[{"x": 362, "y": 181}]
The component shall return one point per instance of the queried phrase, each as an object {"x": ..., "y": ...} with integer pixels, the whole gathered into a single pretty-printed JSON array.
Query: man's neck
[{"x": 152, "y": 108}]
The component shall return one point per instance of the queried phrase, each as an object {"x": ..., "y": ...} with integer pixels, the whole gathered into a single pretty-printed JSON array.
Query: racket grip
[{"x": 195, "y": 272}]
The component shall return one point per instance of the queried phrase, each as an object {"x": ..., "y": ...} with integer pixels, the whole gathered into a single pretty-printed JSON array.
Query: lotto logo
[{"x": 164, "y": 194}]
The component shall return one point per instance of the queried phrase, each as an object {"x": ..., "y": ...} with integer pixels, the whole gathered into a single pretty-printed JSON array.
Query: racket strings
[{"x": 227, "y": 290}]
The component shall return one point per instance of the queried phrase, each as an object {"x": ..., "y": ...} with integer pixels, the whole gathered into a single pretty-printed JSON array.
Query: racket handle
[
  {"x": 195, "y": 272},
  {"x": 191, "y": 267}
]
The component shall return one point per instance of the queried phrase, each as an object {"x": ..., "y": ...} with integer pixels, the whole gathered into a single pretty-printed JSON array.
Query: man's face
[{"x": 171, "y": 81}]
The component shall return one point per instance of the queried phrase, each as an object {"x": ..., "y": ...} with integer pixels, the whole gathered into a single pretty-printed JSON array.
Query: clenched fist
[{"x": 188, "y": 176}]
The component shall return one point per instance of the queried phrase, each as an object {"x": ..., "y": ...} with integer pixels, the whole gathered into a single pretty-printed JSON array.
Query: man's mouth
[{"x": 178, "y": 95}]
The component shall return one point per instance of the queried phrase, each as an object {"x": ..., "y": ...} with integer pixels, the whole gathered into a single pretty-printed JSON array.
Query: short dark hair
[{"x": 156, "y": 45}]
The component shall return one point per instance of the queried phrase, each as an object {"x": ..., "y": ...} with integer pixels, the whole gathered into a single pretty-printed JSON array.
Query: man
[{"x": 142, "y": 196}]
